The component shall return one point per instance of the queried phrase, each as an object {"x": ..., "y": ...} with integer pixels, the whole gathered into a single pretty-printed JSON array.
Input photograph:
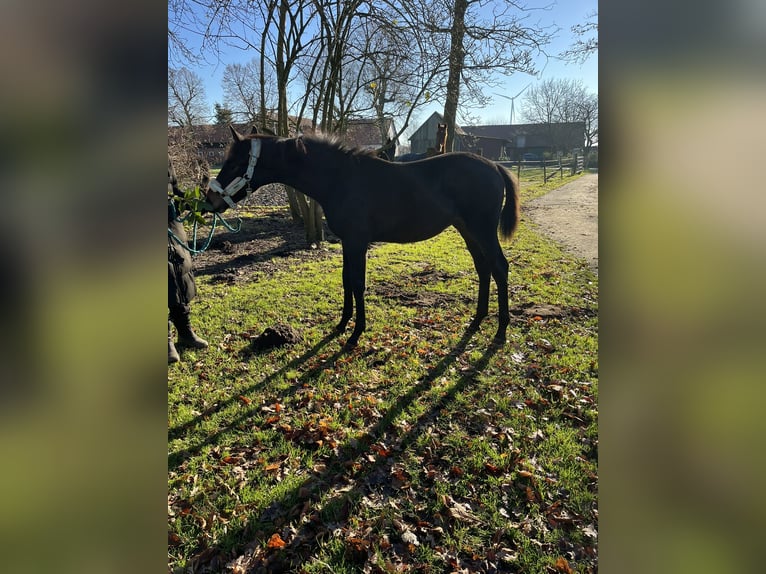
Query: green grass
[{"x": 422, "y": 448}]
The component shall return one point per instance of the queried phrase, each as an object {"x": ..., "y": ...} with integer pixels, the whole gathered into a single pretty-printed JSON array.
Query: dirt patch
[
  {"x": 569, "y": 215},
  {"x": 409, "y": 291},
  {"x": 277, "y": 336},
  {"x": 262, "y": 245}
]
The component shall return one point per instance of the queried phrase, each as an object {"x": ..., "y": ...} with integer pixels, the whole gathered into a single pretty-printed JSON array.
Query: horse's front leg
[{"x": 354, "y": 275}]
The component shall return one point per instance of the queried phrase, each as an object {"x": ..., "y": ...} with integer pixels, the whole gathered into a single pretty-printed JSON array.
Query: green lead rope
[{"x": 194, "y": 250}]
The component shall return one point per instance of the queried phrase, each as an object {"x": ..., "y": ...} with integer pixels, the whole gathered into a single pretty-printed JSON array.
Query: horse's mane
[
  {"x": 334, "y": 142},
  {"x": 331, "y": 142}
]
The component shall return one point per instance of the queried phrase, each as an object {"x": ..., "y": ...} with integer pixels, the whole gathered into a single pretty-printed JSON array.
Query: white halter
[{"x": 239, "y": 182}]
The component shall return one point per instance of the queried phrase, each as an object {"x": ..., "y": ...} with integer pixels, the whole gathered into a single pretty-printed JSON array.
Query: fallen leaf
[
  {"x": 462, "y": 512},
  {"x": 244, "y": 399},
  {"x": 562, "y": 566},
  {"x": 276, "y": 542},
  {"x": 545, "y": 345},
  {"x": 537, "y": 435},
  {"x": 506, "y": 555},
  {"x": 357, "y": 546}
]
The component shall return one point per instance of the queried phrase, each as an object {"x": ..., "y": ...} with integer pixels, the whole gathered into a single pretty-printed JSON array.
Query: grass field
[{"x": 424, "y": 449}]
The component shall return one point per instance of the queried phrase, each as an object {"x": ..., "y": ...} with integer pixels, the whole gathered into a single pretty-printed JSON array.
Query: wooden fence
[{"x": 573, "y": 164}]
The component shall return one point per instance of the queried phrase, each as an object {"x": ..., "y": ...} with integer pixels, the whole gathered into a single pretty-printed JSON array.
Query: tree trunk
[
  {"x": 282, "y": 124},
  {"x": 294, "y": 199},
  {"x": 456, "y": 59},
  {"x": 314, "y": 226}
]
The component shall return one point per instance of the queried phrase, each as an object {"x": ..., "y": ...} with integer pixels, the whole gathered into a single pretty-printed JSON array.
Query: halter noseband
[{"x": 239, "y": 182}]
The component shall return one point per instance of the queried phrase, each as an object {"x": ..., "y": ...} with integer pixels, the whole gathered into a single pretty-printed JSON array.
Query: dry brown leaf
[
  {"x": 462, "y": 512},
  {"x": 562, "y": 566},
  {"x": 276, "y": 542}
]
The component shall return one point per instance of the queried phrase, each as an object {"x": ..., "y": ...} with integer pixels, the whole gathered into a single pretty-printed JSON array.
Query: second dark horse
[{"x": 368, "y": 199}]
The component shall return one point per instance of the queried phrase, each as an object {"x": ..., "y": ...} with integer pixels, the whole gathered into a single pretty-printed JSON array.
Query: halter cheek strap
[{"x": 239, "y": 182}]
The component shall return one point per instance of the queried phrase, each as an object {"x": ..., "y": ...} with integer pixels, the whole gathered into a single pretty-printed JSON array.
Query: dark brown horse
[{"x": 368, "y": 199}]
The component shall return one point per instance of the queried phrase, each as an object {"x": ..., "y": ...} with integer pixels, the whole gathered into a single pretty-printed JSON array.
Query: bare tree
[
  {"x": 186, "y": 98},
  {"x": 483, "y": 43},
  {"x": 181, "y": 19},
  {"x": 587, "y": 40},
  {"x": 186, "y": 108},
  {"x": 560, "y": 101},
  {"x": 589, "y": 115},
  {"x": 243, "y": 88}
]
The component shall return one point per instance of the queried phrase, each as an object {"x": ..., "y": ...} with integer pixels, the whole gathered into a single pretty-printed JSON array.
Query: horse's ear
[
  {"x": 300, "y": 146},
  {"x": 253, "y": 129},
  {"x": 235, "y": 133}
]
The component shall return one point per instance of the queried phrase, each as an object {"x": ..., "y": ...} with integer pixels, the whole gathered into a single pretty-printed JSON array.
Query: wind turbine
[{"x": 513, "y": 99}]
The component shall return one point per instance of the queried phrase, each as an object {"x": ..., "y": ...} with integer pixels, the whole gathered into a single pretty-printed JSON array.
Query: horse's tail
[{"x": 509, "y": 217}]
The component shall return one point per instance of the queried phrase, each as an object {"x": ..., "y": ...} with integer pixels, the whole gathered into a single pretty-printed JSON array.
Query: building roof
[{"x": 365, "y": 133}]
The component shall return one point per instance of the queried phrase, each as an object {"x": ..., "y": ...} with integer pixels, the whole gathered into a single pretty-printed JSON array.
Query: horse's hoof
[
  {"x": 340, "y": 327},
  {"x": 498, "y": 339}
]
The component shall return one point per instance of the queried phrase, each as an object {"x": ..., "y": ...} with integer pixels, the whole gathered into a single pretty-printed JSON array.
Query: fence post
[
  {"x": 561, "y": 169},
  {"x": 545, "y": 177}
]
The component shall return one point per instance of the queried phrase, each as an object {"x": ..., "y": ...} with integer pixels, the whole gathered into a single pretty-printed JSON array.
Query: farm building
[
  {"x": 369, "y": 134},
  {"x": 499, "y": 142}
]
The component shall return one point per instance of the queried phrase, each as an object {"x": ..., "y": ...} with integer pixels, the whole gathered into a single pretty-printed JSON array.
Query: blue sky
[{"x": 563, "y": 14}]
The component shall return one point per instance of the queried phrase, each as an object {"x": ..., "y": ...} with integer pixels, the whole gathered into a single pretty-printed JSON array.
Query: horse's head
[
  {"x": 251, "y": 162},
  {"x": 233, "y": 181}
]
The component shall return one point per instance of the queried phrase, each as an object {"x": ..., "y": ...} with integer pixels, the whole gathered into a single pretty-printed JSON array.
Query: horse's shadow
[
  {"x": 321, "y": 485},
  {"x": 177, "y": 458}
]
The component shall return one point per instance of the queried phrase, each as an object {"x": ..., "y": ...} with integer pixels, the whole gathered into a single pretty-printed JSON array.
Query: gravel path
[{"x": 569, "y": 215}]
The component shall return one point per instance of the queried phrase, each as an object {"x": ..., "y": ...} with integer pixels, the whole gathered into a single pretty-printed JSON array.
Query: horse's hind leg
[
  {"x": 489, "y": 260},
  {"x": 348, "y": 295},
  {"x": 354, "y": 273},
  {"x": 484, "y": 270},
  {"x": 500, "y": 274}
]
